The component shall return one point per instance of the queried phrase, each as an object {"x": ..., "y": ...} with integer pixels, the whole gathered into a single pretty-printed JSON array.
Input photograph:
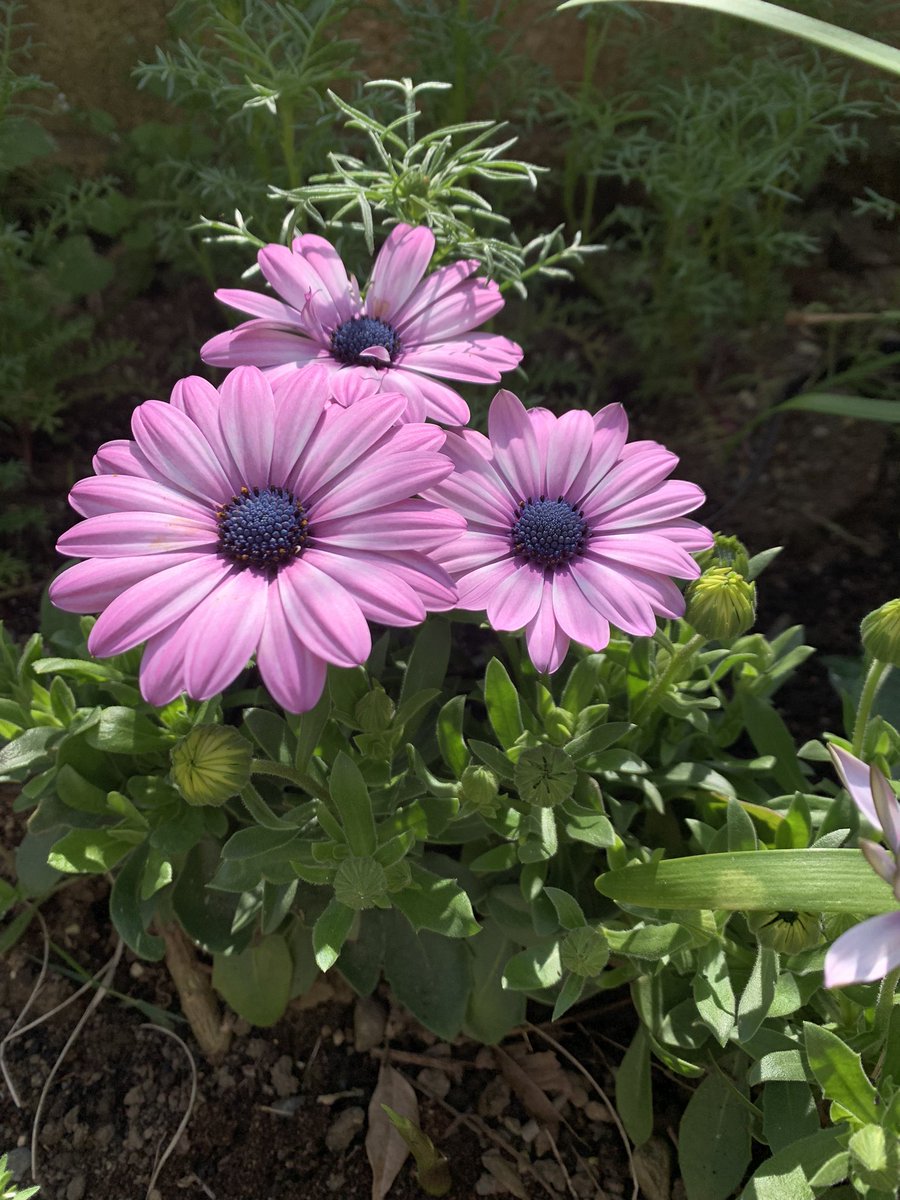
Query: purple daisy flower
[
  {"x": 240, "y": 523},
  {"x": 872, "y": 948},
  {"x": 570, "y": 530},
  {"x": 407, "y": 334}
]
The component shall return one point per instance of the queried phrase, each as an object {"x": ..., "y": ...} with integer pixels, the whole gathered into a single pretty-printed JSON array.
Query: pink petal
[
  {"x": 299, "y": 403},
  {"x": 478, "y": 357},
  {"x": 401, "y": 263},
  {"x": 866, "y": 952},
  {"x": 614, "y": 597},
  {"x": 547, "y": 642},
  {"x": 575, "y": 615},
  {"x": 118, "y": 534},
  {"x": 381, "y": 595},
  {"x": 326, "y": 262},
  {"x": 350, "y": 384},
  {"x": 222, "y": 633},
  {"x": 256, "y": 343},
  {"x": 650, "y": 551},
  {"x": 247, "y": 421},
  {"x": 129, "y": 493},
  {"x": 856, "y": 778},
  {"x": 477, "y": 587},
  {"x": 475, "y": 489},
  {"x": 633, "y": 476},
  {"x": 123, "y": 457},
  {"x": 406, "y": 383},
  {"x": 293, "y": 675},
  {"x": 515, "y": 446},
  {"x": 201, "y": 402},
  {"x": 344, "y": 437},
  {"x": 610, "y": 432},
  {"x": 888, "y": 809},
  {"x": 473, "y": 549},
  {"x": 89, "y": 586},
  {"x": 155, "y": 603},
  {"x": 190, "y": 391},
  {"x": 433, "y": 288},
  {"x": 673, "y": 498},
  {"x": 162, "y": 666},
  {"x": 291, "y": 276},
  {"x": 515, "y": 600},
  {"x": 391, "y": 477},
  {"x": 430, "y": 582},
  {"x": 323, "y": 615},
  {"x": 258, "y": 305},
  {"x": 179, "y": 451},
  {"x": 569, "y": 442},
  {"x": 880, "y": 860},
  {"x": 406, "y": 525},
  {"x": 685, "y": 533},
  {"x": 456, "y": 312},
  {"x": 663, "y": 595}
]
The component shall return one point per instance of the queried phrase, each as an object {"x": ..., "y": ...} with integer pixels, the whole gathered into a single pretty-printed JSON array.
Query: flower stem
[
  {"x": 878, "y": 672},
  {"x": 658, "y": 689}
]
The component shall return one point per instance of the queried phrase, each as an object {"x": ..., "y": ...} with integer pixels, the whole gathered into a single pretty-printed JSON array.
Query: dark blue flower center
[
  {"x": 263, "y": 528},
  {"x": 548, "y": 532},
  {"x": 359, "y": 333}
]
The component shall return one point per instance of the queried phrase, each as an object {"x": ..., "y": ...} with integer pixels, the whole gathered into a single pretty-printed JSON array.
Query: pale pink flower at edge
[
  {"x": 237, "y": 523},
  {"x": 407, "y": 335},
  {"x": 570, "y": 529},
  {"x": 872, "y": 948}
]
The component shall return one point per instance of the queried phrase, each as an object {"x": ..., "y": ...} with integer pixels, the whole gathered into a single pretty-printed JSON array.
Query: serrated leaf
[{"x": 839, "y": 1073}]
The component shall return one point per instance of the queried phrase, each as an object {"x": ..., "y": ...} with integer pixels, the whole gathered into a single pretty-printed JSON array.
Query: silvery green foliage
[{"x": 436, "y": 179}]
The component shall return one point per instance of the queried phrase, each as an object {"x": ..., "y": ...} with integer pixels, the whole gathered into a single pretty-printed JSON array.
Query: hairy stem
[{"x": 878, "y": 672}]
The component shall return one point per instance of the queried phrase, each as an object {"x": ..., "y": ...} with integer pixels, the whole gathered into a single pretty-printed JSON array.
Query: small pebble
[
  {"x": 75, "y": 1190},
  {"x": 344, "y": 1129}
]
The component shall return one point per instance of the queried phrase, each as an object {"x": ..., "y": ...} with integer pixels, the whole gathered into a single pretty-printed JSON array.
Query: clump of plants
[{"x": 341, "y": 683}]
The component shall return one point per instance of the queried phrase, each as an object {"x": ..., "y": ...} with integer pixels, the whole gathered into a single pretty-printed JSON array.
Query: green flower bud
[
  {"x": 721, "y": 604},
  {"x": 360, "y": 883},
  {"x": 584, "y": 951},
  {"x": 375, "y": 711},
  {"x": 726, "y": 551},
  {"x": 545, "y": 775},
  {"x": 211, "y": 764},
  {"x": 786, "y": 932},
  {"x": 479, "y": 788},
  {"x": 880, "y": 632}
]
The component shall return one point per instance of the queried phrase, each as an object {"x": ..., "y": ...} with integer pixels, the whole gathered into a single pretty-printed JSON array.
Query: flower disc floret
[
  {"x": 196, "y": 542},
  {"x": 571, "y": 529},
  {"x": 350, "y": 341},
  {"x": 409, "y": 333},
  {"x": 262, "y": 528}
]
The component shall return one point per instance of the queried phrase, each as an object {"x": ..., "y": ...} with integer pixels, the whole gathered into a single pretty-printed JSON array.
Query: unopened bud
[
  {"x": 786, "y": 932},
  {"x": 584, "y": 951},
  {"x": 880, "y": 632},
  {"x": 211, "y": 764},
  {"x": 375, "y": 711},
  {"x": 726, "y": 551},
  {"x": 721, "y": 604},
  {"x": 360, "y": 883},
  {"x": 479, "y": 787},
  {"x": 545, "y": 775}
]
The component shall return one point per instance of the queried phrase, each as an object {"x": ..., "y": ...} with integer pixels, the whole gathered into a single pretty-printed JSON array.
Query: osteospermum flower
[
  {"x": 872, "y": 948},
  {"x": 406, "y": 335},
  {"x": 237, "y": 524},
  {"x": 570, "y": 530}
]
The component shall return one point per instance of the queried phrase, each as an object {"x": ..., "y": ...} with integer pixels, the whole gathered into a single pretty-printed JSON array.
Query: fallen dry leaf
[
  {"x": 534, "y": 1098},
  {"x": 504, "y": 1172},
  {"x": 653, "y": 1168},
  {"x": 385, "y": 1148}
]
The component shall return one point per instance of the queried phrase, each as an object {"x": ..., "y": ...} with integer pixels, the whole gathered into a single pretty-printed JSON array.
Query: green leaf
[
  {"x": 839, "y": 1073},
  {"x": 427, "y": 663},
  {"x": 92, "y": 851},
  {"x": 779, "y": 1066},
  {"x": 582, "y": 684},
  {"x": 763, "y": 880},
  {"x": 740, "y": 830},
  {"x": 207, "y": 914},
  {"x": 450, "y": 735},
  {"x": 756, "y": 998},
  {"x": 330, "y": 932},
  {"x": 567, "y": 908},
  {"x": 432, "y": 1168},
  {"x": 789, "y": 1113},
  {"x": 429, "y": 974},
  {"x": 257, "y": 981},
  {"x": 534, "y": 968},
  {"x": 27, "y": 751},
  {"x": 713, "y": 991},
  {"x": 650, "y": 941},
  {"x": 862, "y": 408},
  {"x": 569, "y": 994},
  {"x": 770, "y": 735},
  {"x": 714, "y": 1140},
  {"x": 21, "y": 141},
  {"x": 77, "y": 268},
  {"x": 773, "y": 16},
  {"x": 502, "y": 700},
  {"x": 634, "y": 1089},
  {"x": 435, "y": 903},
  {"x": 125, "y": 731},
  {"x": 271, "y": 733},
  {"x": 130, "y": 913},
  {"x": 492, "y": 1011},
  {"x": 596, "y": 740},
  {"x": 786, "y": 1175},
  {"x": 351, "y": 799}
]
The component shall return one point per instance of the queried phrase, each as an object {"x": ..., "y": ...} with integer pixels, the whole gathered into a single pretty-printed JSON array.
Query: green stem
[
  {"x": 656, "y": 690},
  {"x": 264, "y": 766},
  {"x": 877, "y": 674}
]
